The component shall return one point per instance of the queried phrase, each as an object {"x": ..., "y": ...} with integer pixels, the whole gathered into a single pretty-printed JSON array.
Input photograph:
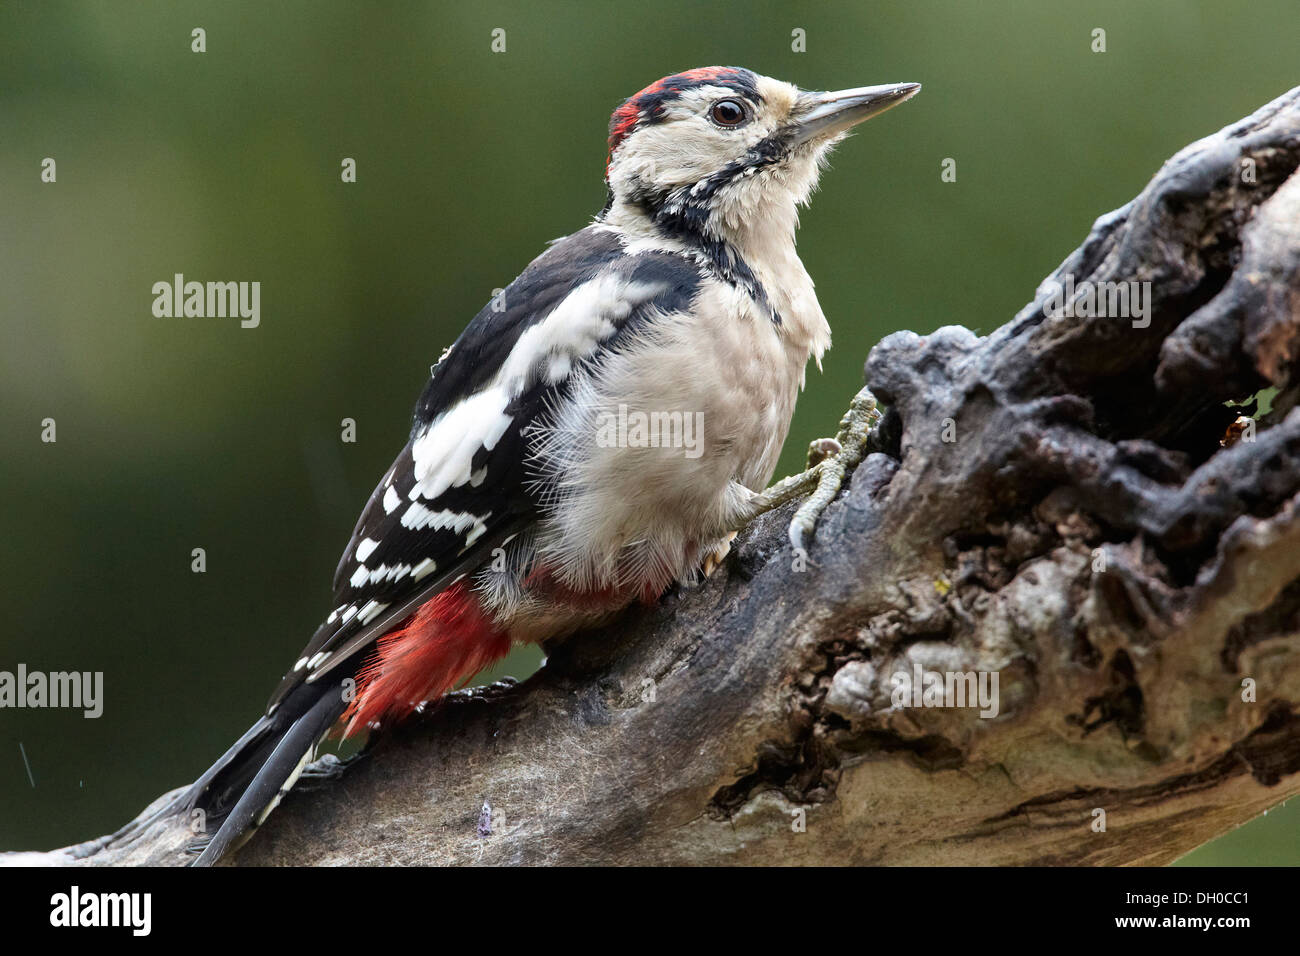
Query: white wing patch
[
  {"x": 462, "y": 522},
  {"x": 576, "y": 327},
  {"x": 368, "y": 613},
  {"x": 363, "y": 575},
  {"x": 366, "y": 548},
  {"x": 444, "y": 453}
]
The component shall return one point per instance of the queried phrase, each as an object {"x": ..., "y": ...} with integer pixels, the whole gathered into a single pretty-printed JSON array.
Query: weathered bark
[{"x": 1050, "y": 503}]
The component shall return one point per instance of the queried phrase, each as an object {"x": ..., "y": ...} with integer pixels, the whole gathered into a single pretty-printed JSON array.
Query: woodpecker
[{"x": 518, "y": 510}]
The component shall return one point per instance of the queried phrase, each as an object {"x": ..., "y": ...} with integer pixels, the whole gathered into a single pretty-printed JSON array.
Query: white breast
[{"x": 648, "y": 462}]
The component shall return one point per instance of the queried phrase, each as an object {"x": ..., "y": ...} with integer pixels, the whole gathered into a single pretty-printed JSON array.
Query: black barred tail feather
[{"x": 237, "y": 792}]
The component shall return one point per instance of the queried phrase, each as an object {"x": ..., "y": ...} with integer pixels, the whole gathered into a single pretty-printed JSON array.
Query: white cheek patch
[{"x": 684, "y": 146}]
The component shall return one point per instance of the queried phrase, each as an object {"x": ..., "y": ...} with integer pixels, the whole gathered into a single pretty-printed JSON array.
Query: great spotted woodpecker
[{"x": 518, "y": 511}]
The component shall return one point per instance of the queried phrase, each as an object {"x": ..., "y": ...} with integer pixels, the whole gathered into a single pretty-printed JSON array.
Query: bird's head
[{"x": 717, "y": 149}]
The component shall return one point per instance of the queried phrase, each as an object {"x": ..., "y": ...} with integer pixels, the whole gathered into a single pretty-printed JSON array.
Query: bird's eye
[{"x": 727, "y": 113}]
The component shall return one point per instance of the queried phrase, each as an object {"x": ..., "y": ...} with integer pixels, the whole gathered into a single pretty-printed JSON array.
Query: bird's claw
[
  {"x": 822, "y": 448},
  {"x": 713, "y": 560},
  {"x": 830, "y": 461}
]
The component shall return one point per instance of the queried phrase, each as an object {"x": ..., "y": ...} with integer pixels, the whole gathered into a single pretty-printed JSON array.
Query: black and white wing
[{"x": 460, "y": 487}]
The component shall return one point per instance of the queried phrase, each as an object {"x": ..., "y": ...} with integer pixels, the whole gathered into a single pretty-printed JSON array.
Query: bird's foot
[
  {"x": 713, "y": 560},
  {"x": 830, "y": 460}
]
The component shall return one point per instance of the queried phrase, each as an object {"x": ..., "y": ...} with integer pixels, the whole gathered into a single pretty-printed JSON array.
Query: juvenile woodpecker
[{"x": 524, "y": 506}]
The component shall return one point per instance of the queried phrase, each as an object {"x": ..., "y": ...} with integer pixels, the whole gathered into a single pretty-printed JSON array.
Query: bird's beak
[{"x": 820, "y": 115}]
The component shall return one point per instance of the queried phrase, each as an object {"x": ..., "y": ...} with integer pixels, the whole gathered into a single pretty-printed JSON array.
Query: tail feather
[
  {"x": 259, "y": 769},
  {"x": 195, "y": 796},
  {"x": 446, "y": 640}
]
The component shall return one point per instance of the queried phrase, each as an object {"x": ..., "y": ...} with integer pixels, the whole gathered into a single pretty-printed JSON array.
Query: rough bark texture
[{"x": 1050, "y": 503}]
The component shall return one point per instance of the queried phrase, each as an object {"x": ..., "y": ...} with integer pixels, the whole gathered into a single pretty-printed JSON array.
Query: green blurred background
[{"x": 182, "y": 433}]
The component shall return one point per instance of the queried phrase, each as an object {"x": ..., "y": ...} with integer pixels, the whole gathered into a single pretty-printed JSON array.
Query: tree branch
[{"x": 1049, "y": 504}]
